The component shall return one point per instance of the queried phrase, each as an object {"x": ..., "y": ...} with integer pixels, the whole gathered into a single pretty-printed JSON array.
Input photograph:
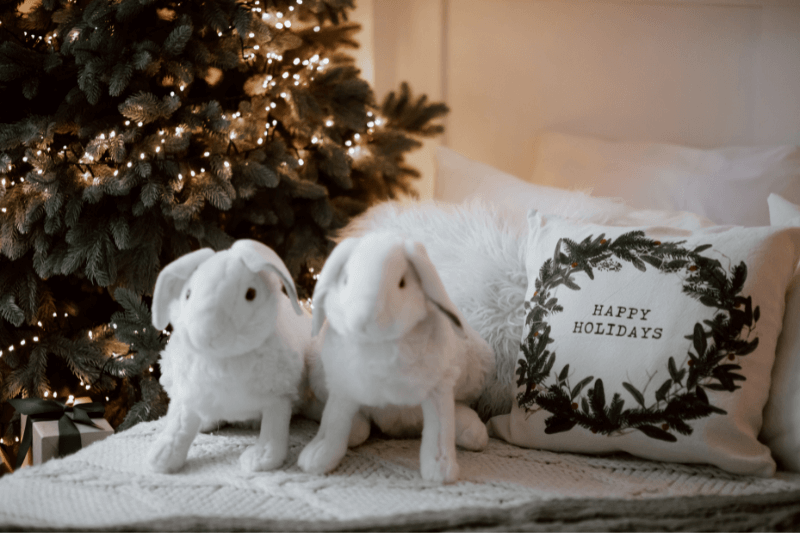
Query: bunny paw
[
  {"x": 319, "y": 456},
  {"x": 259, "y": 457},
  {"x": 473, "y": 437},
  {"x": 165, "y": 457},
  {"x": 439, "y": 470}
]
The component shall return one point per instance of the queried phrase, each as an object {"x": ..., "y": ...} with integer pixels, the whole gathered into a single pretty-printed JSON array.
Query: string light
[{"x": 316, "y": 29}]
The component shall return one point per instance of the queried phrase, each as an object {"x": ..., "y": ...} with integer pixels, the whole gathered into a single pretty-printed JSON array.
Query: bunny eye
[
  {"x": 250, "y": 295},
  {"x": 188, "y": 293},
  {"x": 402, "y": 282}
]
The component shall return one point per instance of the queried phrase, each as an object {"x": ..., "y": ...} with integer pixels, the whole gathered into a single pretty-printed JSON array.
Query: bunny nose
[{"x": 366, "y": 318}]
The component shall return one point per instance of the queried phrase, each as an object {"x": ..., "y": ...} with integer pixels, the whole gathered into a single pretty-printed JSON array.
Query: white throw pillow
[
  {"x": 459, "y": 179},
  {"x": 727, "y": 185},
  {"x": 781, "y": 431},
  {"x": 654, "y": 341}
]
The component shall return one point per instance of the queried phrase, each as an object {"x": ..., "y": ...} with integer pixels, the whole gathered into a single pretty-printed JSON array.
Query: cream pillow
[
  {"x": 726, "y": 185},
  {"x": 654, "y": 341},
  {"x": 459, "y": 179},
  {"x": 781, "y": 431}
]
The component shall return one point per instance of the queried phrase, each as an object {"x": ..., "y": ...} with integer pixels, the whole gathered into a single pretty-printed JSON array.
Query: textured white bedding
[{"x": 106, "y": 486}]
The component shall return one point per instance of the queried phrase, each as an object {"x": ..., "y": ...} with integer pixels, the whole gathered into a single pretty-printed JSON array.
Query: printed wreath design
[{"x": 682, "y": 396}]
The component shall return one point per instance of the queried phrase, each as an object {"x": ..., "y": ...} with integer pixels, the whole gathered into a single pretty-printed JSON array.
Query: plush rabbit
[
  {"x": 479, "y": 252},
  {"x": 393, "y": 341},
  {"x": 236, "y": 352}
]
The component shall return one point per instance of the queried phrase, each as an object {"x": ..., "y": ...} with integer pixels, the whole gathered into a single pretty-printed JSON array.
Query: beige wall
[{"x": 697, "y": 72}]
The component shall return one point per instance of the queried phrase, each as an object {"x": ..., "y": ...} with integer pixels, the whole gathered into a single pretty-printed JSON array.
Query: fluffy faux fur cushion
[{"x": 480, "y": 257}]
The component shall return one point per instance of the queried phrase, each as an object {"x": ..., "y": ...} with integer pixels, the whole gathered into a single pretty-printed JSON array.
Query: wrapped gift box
[{"x": 45, "y": 436}]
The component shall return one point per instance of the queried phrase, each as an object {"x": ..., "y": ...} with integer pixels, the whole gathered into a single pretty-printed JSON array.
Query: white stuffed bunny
[
  {"x": 392, "y": 341},
  {"x": 236, "y": 351},
  {"x": 479, "y": 252}
]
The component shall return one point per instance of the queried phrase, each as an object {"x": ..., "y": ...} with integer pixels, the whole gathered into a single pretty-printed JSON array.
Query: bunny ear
[
  {"x": 327, "y": 277},
  {"x": 258, "y": 257},
  {"x": 170, "y": 283},
  {"x": 432, "y": 285}
]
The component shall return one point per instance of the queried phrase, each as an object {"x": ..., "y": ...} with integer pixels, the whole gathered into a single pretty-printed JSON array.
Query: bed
[{"x": 659, "y": 103}]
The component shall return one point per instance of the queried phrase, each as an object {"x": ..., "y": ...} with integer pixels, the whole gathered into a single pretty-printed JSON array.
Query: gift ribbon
[{"x": 69, "y": 437}]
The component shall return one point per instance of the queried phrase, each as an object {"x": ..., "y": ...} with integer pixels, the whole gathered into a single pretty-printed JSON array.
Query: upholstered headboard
[{"x": 701, "y": 73}]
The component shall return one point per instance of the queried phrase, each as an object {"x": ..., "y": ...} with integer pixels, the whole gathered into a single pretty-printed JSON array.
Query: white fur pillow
[{"x": 654, "y": 341}]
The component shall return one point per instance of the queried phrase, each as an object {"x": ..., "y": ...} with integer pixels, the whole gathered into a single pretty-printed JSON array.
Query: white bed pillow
[
  {"x": 727, "y": 185},
  {"x": 460, "y": 179},
  {"x": 781, "y": 431},
  {"x": 630, "y": 312}
]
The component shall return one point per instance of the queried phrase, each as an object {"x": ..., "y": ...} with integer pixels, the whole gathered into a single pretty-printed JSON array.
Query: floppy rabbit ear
[
  {"x": 432, "y": 285},
  {"x": 329, "y": 275},
  {"x": 170, "y": 283},
  {"x": 259, "y": 257}
]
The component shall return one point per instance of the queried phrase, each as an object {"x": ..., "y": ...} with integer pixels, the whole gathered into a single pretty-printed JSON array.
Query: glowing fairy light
[
  {"x": 227, "y": 165},
  {"x": 348, "y": 143},
  {"x": 180, "y": 177},
  {"x": 314, "y": 139},
  {"x": 251, "y": 35},
  {"x": 192, "y": 173},
  {"x": 22, "y": 342},
  {"x": 300, "y": 162},
  {"x": 206, "y": 154},
  {"x": 116, "y": 172},
  {"x": 329, "y": 123},
  {"x": 279, "y": 25},
  {"x": 279, "y": 15},
  {"x": 316, "y": 29},
  {"x": 130, "y": 164},
  {"x": 288, "y": 23}
]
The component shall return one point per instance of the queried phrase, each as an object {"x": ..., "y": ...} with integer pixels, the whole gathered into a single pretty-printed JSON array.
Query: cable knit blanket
[{"x": 106, "y": 487}]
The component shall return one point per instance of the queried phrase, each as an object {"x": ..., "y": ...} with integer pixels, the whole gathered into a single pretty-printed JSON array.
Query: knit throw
[{"x": 107, "y": 486}]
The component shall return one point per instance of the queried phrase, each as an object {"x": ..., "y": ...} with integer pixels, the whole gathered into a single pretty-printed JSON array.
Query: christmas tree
[{"x": 135, "y": 131}]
